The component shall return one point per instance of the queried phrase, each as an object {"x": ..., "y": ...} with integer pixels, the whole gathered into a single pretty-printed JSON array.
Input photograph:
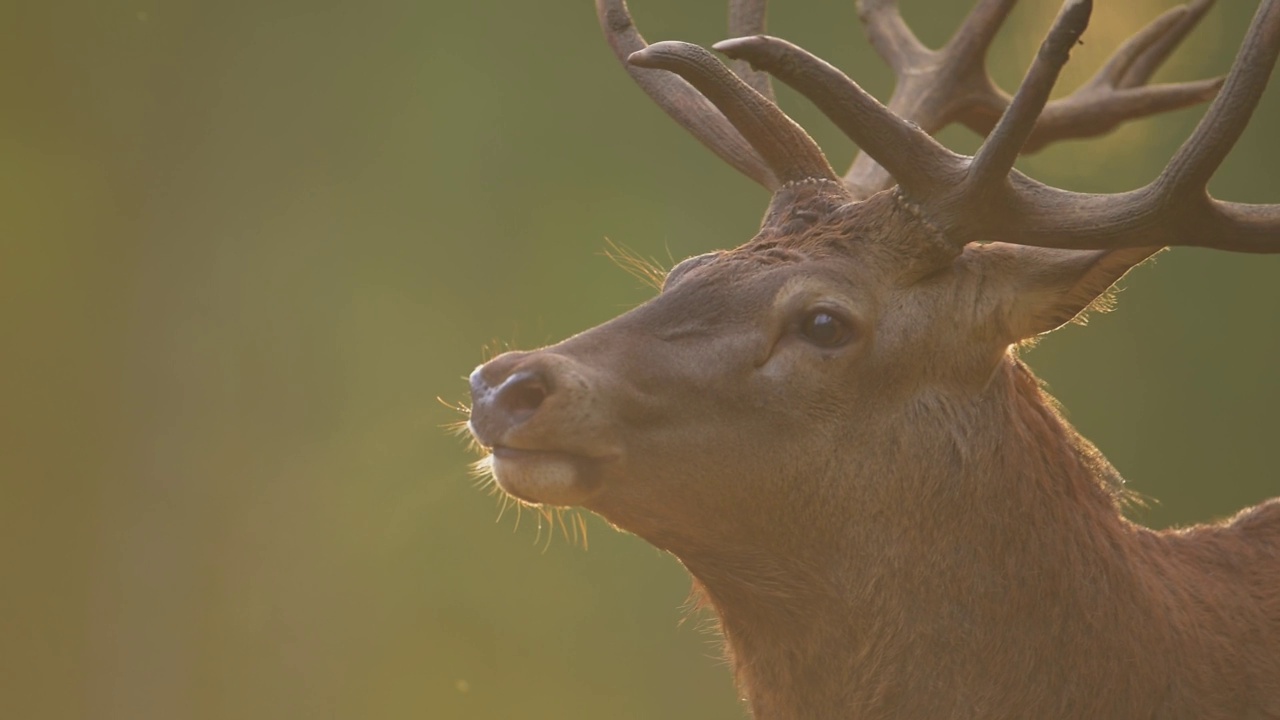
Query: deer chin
[{"x": 544, "y": 477}]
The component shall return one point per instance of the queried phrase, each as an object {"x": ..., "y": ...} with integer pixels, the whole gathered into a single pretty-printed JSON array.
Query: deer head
[{"x": 808, "y": 419}]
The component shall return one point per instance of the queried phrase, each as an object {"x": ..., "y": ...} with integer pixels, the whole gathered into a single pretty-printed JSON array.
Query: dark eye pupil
[{"x": 824, "y": 329}]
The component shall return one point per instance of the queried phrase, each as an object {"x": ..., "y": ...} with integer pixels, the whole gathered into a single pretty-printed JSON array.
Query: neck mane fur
[{"x": 1020, "y": 590}]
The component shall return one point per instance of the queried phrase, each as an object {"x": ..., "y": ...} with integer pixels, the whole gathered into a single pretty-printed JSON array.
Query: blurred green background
[{"x": 244, "y": 246}]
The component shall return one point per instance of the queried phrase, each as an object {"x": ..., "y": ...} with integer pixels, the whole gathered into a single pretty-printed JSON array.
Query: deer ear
[{"x": 1046, "y": 287}]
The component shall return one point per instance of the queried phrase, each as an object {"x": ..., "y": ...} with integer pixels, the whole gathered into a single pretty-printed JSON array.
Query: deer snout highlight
[
  {"x": 505, "y": 396},
  {"x": 517, "y": 398},
  {"x": 536, "y": 401}
]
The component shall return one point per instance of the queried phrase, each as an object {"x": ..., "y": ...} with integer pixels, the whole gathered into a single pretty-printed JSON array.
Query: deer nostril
[
  {"x": 521, "y": 394},
  {"x": 520, "y": 389}
]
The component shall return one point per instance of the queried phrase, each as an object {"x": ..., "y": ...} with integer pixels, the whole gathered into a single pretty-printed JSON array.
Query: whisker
[
  {"x": 646, "y": 270},
  {"x": 537, "y": 538},
  {"x": 582, "y": 523},
  {"x": 493, "y": 349},
  {"x": 458, "y": 407},
  {"x": 503, "y": 504},
  {"x": 573, "y": 522},
  {"x": 457, "y": 428},
  {"x": 564, "y": 530},
  {"x": 551, "y": 526}
]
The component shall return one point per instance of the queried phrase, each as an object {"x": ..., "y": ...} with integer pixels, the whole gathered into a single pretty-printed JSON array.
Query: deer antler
[
  {"x": 1118, "y": 91},
  {"x": 1175, "y": 209},
  {"x": 679, "y": 99},
  {"x": 935, "y": 87},
  {"x": 938, "y": 87},
  {"x": 747, "y": 17},
  {"x": 916, "y": 161},
  {"x": 984, "y": 199},
  {"x": 994, "y": 160},
  {"x": 786, "y": 148}
]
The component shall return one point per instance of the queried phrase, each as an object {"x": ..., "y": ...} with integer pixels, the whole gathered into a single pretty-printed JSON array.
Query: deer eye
[{"x": 825, "y": 329}]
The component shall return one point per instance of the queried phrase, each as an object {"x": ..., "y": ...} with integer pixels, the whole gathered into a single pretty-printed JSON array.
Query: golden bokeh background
[{"x": 244, "y": 246}]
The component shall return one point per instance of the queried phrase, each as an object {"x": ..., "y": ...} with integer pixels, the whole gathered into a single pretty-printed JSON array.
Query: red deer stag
[{"x": 827, "y": 425}]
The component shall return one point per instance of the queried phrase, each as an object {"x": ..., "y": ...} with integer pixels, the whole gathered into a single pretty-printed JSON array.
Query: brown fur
[
  {"x": 905, "y": 527},
  {"x": 830, "y": 428}
]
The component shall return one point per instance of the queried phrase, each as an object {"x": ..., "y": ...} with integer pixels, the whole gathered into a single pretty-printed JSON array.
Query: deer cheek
[{"x": 794, "y": 364}]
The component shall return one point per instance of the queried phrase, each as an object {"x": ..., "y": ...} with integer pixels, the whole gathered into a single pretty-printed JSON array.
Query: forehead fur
[{"x": 881, "y": 234}]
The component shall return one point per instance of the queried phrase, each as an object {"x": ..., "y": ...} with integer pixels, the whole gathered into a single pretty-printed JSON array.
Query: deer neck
[{"x": 1018, "y": 532}]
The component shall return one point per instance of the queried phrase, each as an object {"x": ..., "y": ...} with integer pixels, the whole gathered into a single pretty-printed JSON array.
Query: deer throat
[{"x": 998, "y": 558}]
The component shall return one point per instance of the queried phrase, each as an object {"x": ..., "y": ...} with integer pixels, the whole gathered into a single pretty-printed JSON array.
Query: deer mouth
[{"x": 546, "y": 477}]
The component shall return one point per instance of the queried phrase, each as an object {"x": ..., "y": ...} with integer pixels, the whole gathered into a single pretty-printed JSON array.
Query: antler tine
[
  {"x": 747, "y": 17},
  {"x": 1175, "y": 209},
  {"x": 1162, "y": 41},
  {"x": 970, "y": 42},
  {"x": 1118, "y": 91},
  {"x": 937, "y": 87},
  {"x": 919, "y": 163},
  {"x": 1241, "y": 227},
  {"x": 994, "y": 160},
  {"x": 787, "y": 149},
  {"x": 1090, "y": 114},
  {"x": 1199, "y": 157},
  {"x": 934, "y": 87},
  {"x": 890, "y": 35},
  {"x": 680, "y": 100}
]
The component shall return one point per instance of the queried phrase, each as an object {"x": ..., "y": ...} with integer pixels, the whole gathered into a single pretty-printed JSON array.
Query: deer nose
[
  {"x": 515, "y": 399},
  {"x": 521, "y": 394}
]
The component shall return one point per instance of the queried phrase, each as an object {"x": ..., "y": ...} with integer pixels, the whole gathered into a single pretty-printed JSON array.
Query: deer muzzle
[{"x": 544, "y": 420}]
